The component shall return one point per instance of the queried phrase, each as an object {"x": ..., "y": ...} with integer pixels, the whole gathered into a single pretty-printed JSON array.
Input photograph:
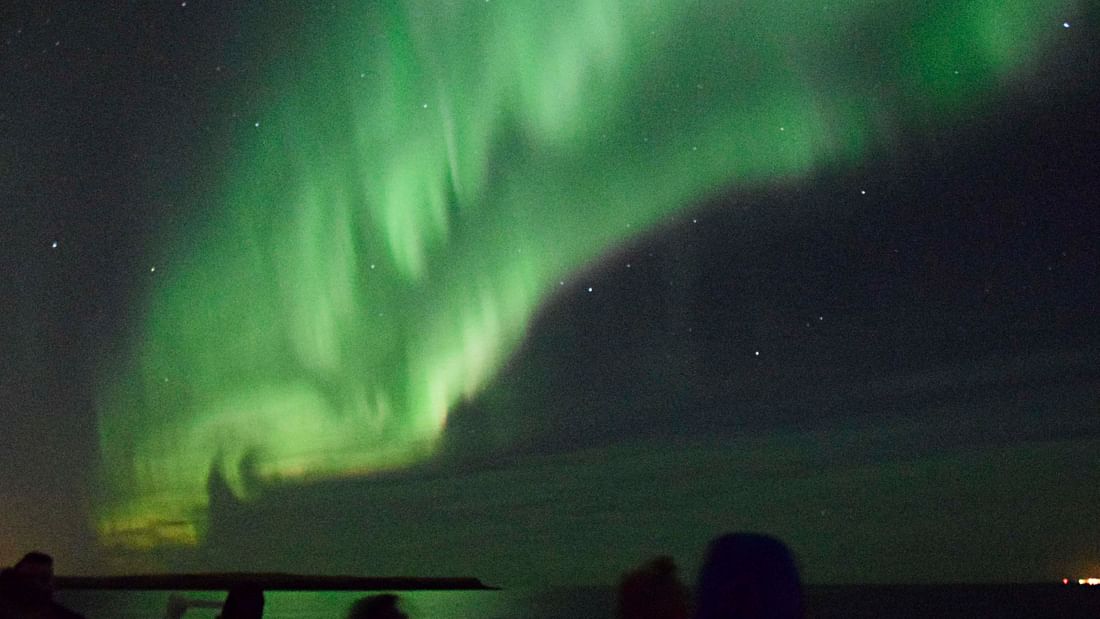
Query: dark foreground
[
  {"x": 948, "y": 601},
  {"x": 825, "y": 602}
]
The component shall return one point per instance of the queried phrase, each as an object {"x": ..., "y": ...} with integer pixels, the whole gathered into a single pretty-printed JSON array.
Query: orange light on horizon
[{"x": 1088, "y": 581}]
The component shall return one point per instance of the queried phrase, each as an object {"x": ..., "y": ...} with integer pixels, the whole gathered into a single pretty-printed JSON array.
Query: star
[
  {"x": 54, "y": 245},
  {"x": 1065, "y": 24}
]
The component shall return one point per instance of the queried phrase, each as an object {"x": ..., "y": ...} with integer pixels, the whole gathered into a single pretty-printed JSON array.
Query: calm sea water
[
  {"x": 850, "y": 602},
  {"x": 513, "y": 604}
]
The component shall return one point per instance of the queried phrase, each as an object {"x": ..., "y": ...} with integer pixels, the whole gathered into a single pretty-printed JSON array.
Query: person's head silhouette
[
  {"x": 243, "y": 602},
  {"x": 749, "y": 576},
  {"x": 381, "y": 606},
  {"x": 35, "y": 571},
  {"x": 653, "y": 591}
]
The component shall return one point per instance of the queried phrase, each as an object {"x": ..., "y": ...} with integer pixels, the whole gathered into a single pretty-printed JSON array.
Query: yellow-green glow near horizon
[{"x": 421, "y": 174}]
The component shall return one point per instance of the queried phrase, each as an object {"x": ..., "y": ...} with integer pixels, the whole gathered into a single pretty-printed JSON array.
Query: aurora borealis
[
  {"x": 531, "y": 291},
  {"x": 420, "y": 178}
]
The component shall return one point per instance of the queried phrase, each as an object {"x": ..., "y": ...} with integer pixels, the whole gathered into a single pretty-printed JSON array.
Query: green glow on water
[{"x": 421, "y": 174}]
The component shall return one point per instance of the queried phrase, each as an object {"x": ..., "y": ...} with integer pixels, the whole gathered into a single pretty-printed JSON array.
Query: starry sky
[{"x": 535, "y": 293}]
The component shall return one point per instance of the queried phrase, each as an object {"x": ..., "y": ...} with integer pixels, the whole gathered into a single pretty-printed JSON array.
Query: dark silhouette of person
[
  {"x": 653, "y": 591},
  {"x": 243, "y": 602},
  {"x": 381, "y": 606},
  {"x": 749, "y": 576},
  {"x": 26, "y": 589}
]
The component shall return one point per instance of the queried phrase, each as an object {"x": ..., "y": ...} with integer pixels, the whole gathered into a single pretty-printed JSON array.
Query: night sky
[{"x": 535, "y": 291}]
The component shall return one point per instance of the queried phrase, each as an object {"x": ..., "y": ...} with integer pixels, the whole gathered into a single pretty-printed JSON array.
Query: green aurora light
[{"x": 422, "y": 175}]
